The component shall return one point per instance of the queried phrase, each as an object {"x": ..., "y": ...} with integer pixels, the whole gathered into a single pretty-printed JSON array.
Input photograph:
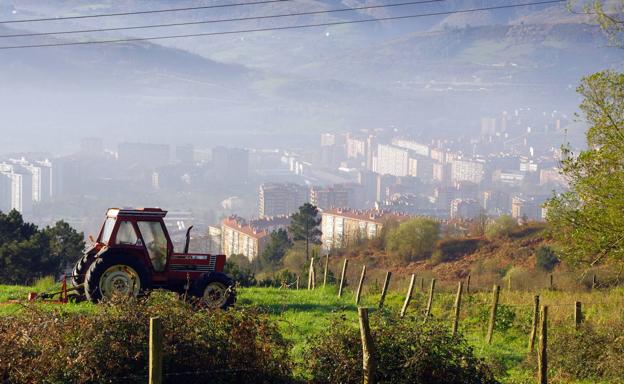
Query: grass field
[{"x": 302, "y": 314}]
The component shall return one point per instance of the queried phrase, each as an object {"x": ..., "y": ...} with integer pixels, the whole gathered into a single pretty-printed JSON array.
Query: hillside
[{"x": 438, "y": 73}]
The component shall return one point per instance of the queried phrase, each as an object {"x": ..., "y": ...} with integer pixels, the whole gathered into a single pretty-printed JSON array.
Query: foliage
[
  {"x": 586, "y": 221},
  {"x": 609, "y": 16},
  {"x": 275, "y": 250},
  {"x": 546, "y": 259},
  {"x": 111, "y": 344},
  {"x": 414, "y": 239},
  {"x": 305, "y": 224},
  {"x": 405, "y": 352},
  {"x": 452, "y": 249},
  {"x": 65, "y": 243},
  {"x": 588, "y": 353},
  {"x": 242, "y": 275},
  {"x": 27, "y": 252},
  {"x": 502, "y": 226}
]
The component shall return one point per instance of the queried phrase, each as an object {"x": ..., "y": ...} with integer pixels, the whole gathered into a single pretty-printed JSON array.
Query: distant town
[{"x": 234, "y": 197}]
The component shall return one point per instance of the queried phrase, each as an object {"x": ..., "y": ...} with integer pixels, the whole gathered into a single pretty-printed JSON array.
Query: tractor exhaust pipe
[{"x": 188, "y": 239}]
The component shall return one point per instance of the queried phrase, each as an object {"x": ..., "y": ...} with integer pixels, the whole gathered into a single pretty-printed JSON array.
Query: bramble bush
[
  {"x": 406, "y": 351},
  {"x": 111, "y": 344}
]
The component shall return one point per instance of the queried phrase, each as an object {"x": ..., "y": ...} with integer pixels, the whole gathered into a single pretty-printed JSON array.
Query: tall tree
[
  {"x": 304, "y": 225},
  {"x": 587, "y": 220},
  {"x": 275, "y": 250}
]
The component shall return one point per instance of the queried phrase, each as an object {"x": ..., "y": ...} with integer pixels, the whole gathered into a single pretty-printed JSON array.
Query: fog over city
[{"x": 450, "y": 115}]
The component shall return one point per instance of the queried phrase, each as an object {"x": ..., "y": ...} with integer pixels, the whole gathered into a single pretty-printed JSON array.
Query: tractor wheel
[
  {"x": 214, "y": 290},
  {"x": 116, "y": 275},
  {"x": 80, "y": 270}
]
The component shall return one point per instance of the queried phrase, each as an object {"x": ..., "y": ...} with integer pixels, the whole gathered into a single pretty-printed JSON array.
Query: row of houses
[{"x": 340, "y": 227}]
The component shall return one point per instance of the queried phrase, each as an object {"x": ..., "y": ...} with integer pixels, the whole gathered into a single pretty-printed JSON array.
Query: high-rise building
[
  {"x": 16, "y": 190},
  {"x": 337, "y": 196},
  {"x": 466, "y": 170},
  {"x": 392, "y": 160},
  {"x": 496, "y": 202},
  {"x": 276, "y": 199},
  {"x": 529, "y": 207},
  {"x": 413, "y": 146}
]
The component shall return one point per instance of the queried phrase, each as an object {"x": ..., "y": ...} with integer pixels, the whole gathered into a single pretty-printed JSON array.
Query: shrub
[
  {"x": 405, "y": 351},
  {"x": 453, "y": 249},
  {"x": 546, "y": 259},
  {"x": 414, "y": 239},
  {"x": 502, "y": 226},
  {"x": 589, "y": 352},
  {"x": 111, "y": 344},
  {"x": 241, "y": 275}
]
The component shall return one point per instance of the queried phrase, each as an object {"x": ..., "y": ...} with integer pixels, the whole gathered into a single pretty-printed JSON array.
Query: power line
[
  {"x": 280, "y": 28},
  {"x": 142, "y": 12},
  {"x": 220, "y": 20}
]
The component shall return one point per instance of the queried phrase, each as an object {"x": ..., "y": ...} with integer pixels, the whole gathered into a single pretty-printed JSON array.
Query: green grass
[{"x": 302, "y": 314}]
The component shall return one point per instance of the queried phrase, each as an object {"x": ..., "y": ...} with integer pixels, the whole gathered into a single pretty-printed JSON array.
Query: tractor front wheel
[
  {"x": 115, "y": 275},
  {"x": 214, "y": 290}
]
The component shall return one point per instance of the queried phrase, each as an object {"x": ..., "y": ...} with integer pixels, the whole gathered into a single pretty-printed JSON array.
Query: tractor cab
[{"x": 134, "y": 252}]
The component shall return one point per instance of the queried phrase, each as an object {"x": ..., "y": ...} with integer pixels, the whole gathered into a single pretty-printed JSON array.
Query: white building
[
  {"x": 417, "y": 148},
  {"x": 392, "y": 160},
  {"x": 466, "y": 170}
]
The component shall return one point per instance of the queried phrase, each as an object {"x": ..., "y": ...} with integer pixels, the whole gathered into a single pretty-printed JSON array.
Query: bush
[
  {"x": 588, "y": 353},
  {"x": 241, "y": 275},
  {"x": 414, "y": 239},
  {"x": 502, "y": 226},
  {"x": 405, "y": 351},
  {"x": 453, "y": 249},
  {"x": 546, "y": 259},
  {"x": 111, "y": 344}
]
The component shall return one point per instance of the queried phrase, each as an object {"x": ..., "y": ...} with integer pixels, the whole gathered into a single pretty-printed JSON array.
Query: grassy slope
[{"x": 303, "y": 314}]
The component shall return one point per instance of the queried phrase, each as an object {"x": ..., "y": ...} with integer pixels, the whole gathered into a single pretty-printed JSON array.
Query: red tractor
[{"x": 133, "y": 253}]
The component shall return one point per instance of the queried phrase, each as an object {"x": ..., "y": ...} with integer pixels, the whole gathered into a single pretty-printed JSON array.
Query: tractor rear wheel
[
  {"x": 116, "y": 275},
  {"x": 214, "y": 290},
  {"x": 79, "y": 272}
]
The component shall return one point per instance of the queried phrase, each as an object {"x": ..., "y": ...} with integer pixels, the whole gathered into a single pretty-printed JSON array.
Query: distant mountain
[{"x": 429, "y": 74}]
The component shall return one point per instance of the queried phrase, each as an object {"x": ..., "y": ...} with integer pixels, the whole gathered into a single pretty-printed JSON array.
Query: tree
[
  {"x": 609, "y": 15},
  {"x": 587, "y": 220},
  {"x": 275, "y": 250},
  {"x": 502, "y": 226},
  {"x": 546, "y": 259},
  {"x": 414, "y": 239},
  {"x": 27, "y": 252},
  {"x": 66, "y": 243},
  {"x": 305, "y": 224}
]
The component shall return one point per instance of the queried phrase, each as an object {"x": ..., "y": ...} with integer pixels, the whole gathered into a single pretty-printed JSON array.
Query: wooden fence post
[
  {"x": 385, "y": 289},
  {"x": 534, "y": 322},
  {"x": 430, "y": 301},
  {"x": 495, "y": 295},
  {"x": 359, "y": 289},
  {"x": 542, "y": 354},
  {"x": 297, "y": 283},
  {"x": 408, "y": 298},
  {"x": 368, "y": 354},
  {"x": 155, "y": 351},
  {"x": 460, "y": 286},
  {"x": 468, "y": 284},
  {"x": 551, "y": 285},
  {"x": 509, "y": 283},
  {"x": 325, "y": 270},
  {"x": 342, "y": 277},
  {"x": 578, "y": 314},
  {"x": 311, "y": 273},
  {"x": 422, "y": 284},
  {"x": 594, "y": 282}
]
